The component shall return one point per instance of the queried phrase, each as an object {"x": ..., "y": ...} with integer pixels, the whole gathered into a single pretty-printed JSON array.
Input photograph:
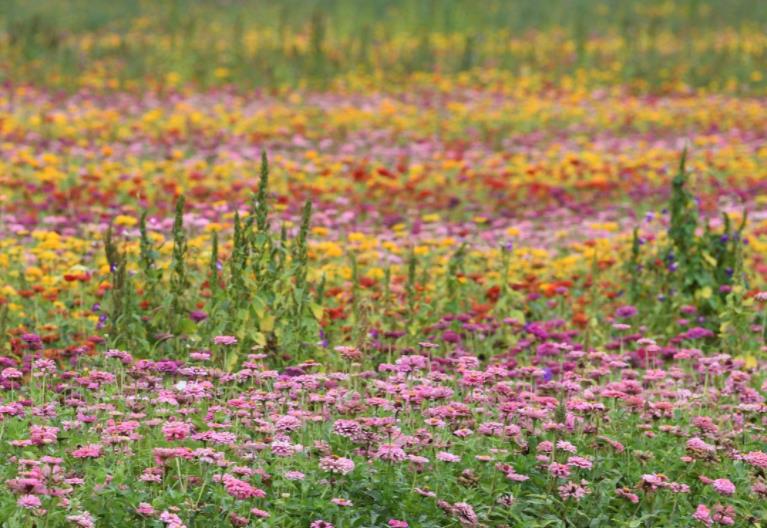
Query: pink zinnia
[
  {"x": 579, "y": 462},
  {"x": 724, "y": 515},
  {"x": 573, "y": 490},
  {"x": 390, "y": 453},
  {"x": 465, "y": 514},
  {"x": 559, "y": 470},
  {"x": 43, "y": 435},
  {"x": 145, "y": 509},
  {"x": 335, "y": 464},
  {"x": 702, "y": 514},
  {"x": 239, "y": 489},
  {"x": 756, "y": 458},
  {"x": 88, "y": 451},
  {"x": 261, "y": 514},
  {"x": 699, "y": 446},
  {"x": 176, "y": 430},
  {"x": 11, "y": 373},
  {"x": 29, "y": 502},
  {"x": 444, "y": 456},
  {"x": 171, "y": 520},
  {"x": 627, "y": 494},
  {"x": 83, "y": 520},
  {"x": 225, "y": 340},
  {"x": 724, "y": 486}
]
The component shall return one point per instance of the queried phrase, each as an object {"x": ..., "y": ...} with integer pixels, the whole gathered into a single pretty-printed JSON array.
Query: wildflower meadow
[{"x": 383, "y": 264}]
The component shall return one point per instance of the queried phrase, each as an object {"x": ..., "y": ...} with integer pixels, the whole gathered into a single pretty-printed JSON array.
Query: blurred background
[{"x": 648, "y": 46}]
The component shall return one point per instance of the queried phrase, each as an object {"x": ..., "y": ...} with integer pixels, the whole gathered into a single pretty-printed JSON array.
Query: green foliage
[
  {"x": 696, "y": 266},
  {"x": 178, "y": 279},
  {"x": 124, "y": 328},
  {"x": 268, "y": 301},
  {"x": 59, "y": 42}
]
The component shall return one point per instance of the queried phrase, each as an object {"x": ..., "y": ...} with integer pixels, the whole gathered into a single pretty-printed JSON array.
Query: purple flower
[
  {"x": 450, "y": 336},
  {"x": 697, "y": 333},
  {"x": 197, "y": 315},
  {"x": 624, "y": 312}
]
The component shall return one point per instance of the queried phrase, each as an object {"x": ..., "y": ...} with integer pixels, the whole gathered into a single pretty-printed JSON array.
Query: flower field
[{"x": 416, "y": 266}]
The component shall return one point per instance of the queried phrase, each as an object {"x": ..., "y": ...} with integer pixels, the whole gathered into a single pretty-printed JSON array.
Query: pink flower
[
  {"x": 516, "y": 477},
  {"x": 757, "y": 459},
  {"x": 724, "y": 515},
  {"x": 88, "y": 451},
  {"x": 283, "y": 448},
  {"x": 319, "y": 523},
  {"x": 225, "y": 340},
  {"x": 30, "y": 502},
  {"x": 43, "y": 435},
  {"x": 573, "y": 490},
  {"x": 171, "y": 520},
  {"x": 390, "y": 453},
  {"x": 654, "y": 481},
  {"x": 724, "y": 486},
  {"x": 444, "y": 456},
  {"x": 545, "y": 447},
  {"x": 698, "y": 446},
  {"x": 394, "y": 523},
  {"x": 579, "y": 462},
  {"x": 83, "y": 520},
  {"x": 11, "y": 373},
  {"x": 239, "y": 489},
  {"x": 559, "y": 470},
  {"x": 335, "y": 464},
  {"x": 261, "y": 514},
  {"x": 627, "y": 494},
  {"x": 145, "y": 509},
  {"x": 702, "y": 514},
  {"x": 176, "y": 430},
  {"x": 465, "y": 514}
]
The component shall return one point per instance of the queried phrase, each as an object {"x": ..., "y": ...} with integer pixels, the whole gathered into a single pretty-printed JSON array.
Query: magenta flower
[
  {"x": 756, "y": 459},
  {"x": 171, "y": 520},
  {"x": 29, "y": 502},
  {"x": 88, "y": 451},
  {"x": 724, "y": 486},
  {"x": 702, "y": 514},
  {"x": 559, "y": 470},
  {"x": 239, "y": 489},
  {"x": 11, "y": 373},
  {"x": 83, "y": 520},
  {"x": 625, "y": 312},
  {"x": 444, "y": 456},
  {"x": 335, "y": 464},
  {"x": 176, "y": 430},
  {"x": 225, "y": 340},
  {"x": 145, "y": 509}
]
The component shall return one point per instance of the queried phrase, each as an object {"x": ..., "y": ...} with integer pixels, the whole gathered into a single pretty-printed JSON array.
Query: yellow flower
[{"x": 124, "y": 220}]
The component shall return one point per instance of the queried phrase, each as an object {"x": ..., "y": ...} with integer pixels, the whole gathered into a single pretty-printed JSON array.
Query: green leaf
[
  {"x": 259, "y": 338},
  {"x": 267, "y": 323}
]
